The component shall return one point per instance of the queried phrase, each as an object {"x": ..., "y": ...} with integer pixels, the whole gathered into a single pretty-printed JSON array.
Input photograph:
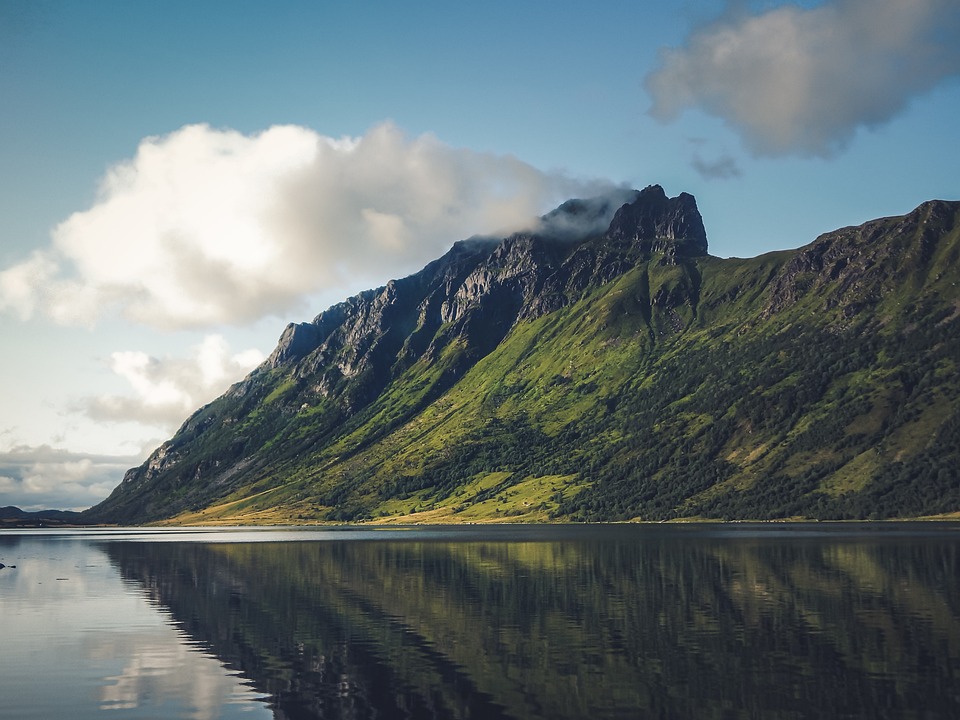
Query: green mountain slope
[{"x": 603, "y": 367}]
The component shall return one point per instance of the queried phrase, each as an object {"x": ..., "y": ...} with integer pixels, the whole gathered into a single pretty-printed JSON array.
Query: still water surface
[{"x": 710, "y": 621}]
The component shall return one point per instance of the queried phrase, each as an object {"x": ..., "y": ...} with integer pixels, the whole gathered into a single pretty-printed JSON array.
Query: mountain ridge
[{"x": 561, "y": 338}]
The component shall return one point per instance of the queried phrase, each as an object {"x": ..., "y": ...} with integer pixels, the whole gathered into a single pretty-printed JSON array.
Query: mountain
[
  {"x": 11, "y": 516},
  {"x": 602, "y": 366}
]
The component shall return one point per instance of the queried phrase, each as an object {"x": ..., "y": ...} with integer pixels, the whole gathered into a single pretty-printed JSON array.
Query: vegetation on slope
[{"x": 818, "y": 383}]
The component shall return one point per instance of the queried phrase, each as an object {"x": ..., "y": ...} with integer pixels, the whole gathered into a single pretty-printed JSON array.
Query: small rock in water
[{"x": 2, "y": 566}]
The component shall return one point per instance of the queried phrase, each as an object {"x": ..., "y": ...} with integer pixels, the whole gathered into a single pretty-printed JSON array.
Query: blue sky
[{"x": 179, "y": 180}]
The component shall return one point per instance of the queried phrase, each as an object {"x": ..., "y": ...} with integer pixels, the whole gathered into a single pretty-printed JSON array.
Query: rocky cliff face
[
  {"x": 857, "y": 267},
  {"x": 482, "y": 287}
]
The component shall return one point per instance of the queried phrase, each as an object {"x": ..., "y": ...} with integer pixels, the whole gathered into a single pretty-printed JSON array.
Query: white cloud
[
  {"x": 20, "y": 284},
  {"x": 802, "y": 81},
  {"x": 158, "y": 669},
  {"x": 204, "y": 226},
  {"x": 166, "y": 390},
  {"x": 42, "y": 477}
]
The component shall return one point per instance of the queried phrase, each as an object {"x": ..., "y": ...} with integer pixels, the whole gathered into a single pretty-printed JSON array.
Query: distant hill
[
  {"x": 601, "y": 367},
  {"x": 11, "y": 516}
]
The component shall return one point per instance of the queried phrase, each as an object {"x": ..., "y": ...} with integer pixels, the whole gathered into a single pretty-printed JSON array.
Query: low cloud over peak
[
  {"x": 802, "y": 81},
  {"x": 204, "y": 227}
]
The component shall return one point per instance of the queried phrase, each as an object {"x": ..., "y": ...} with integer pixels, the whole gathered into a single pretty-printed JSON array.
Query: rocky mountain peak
[
  {"x": 661, "y": 224},
  {"x": 482, "y": 286},
  {"x": 296, "y": 341}
]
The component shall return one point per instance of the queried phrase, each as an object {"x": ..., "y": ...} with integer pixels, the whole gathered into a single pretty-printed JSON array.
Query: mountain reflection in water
[{"x": 603, "y": 624}]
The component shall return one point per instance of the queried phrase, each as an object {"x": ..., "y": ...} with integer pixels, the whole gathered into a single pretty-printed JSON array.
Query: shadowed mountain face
[
  {"x": 602, "y": 366},
  {"x": 606, "y": 623}
]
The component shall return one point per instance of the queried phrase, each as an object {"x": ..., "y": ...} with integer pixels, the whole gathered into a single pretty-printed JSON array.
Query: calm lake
[{"x": 665, "y": 621}]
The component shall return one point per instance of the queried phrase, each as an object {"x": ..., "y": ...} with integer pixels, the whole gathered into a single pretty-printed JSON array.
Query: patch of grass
[
  {"x": 852, "y": 477},
  {"x": 532, "y": 499}
]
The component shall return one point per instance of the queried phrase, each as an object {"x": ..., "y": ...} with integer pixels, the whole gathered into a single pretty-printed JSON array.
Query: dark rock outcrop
[
  {"x": 854, "y": 267},
  {"x": 660, "y": 224}
]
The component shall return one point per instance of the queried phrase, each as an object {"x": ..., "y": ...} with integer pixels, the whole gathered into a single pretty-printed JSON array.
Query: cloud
[
  {"x": 167, "y": 390},
  {"x": 802, "y": 81},
  {"x": 156, "y": 668},
  {"x": 723, "y": 168},
  {"x": 42, "y": 477},
  {"x": 206, "y": 227},
  {"x": 582, "y": 217}
]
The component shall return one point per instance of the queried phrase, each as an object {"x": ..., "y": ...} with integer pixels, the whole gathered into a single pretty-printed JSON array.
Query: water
[{"x": 708, "y": 621}]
